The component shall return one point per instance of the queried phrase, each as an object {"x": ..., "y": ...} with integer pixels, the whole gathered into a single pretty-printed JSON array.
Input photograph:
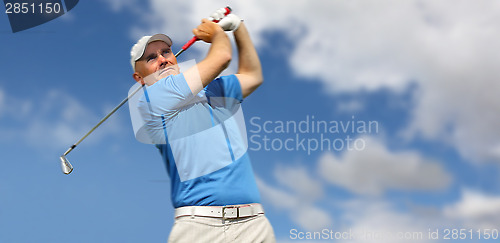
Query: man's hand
[
  {"x": 207, "y": 31},
  {"x": 230, "y": 23}
]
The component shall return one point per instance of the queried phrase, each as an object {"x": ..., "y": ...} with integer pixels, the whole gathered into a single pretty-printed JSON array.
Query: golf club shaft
[
  {"x": 194, "y": 39},
  {"x": 102, "y": 120},
  {"x": 106, "y": 117}
]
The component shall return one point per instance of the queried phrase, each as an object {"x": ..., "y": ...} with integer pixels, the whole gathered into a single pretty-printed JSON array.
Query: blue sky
[{"x": 424, "y": 71}]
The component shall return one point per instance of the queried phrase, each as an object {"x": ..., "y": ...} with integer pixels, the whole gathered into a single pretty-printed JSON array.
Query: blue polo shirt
[{"x": 202, "y": 140}]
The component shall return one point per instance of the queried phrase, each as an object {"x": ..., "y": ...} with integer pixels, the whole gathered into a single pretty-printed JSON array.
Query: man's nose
[{"x": 161, "y": 58}]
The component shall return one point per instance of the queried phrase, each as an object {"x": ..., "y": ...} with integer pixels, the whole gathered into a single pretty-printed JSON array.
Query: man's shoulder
[{"x": 225, "y": 86}]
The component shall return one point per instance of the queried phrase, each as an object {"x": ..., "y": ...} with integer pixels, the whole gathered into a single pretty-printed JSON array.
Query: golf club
[{"x": 66, "y": 166}]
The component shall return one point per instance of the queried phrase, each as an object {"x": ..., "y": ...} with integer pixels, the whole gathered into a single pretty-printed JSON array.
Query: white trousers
[{"x": 192, "y": 229}]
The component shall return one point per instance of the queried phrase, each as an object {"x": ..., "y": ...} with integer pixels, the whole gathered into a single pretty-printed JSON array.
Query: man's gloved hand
[
  {"x": 230, "y": 23},
  {"x": 218, "y": 15}
]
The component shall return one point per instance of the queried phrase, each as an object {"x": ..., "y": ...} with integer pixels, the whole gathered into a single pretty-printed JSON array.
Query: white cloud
[
  {"x": 13, "y": 107},
  {"x": 299, "y": 181},
  {"x": 302, "y": 212},
  {"x": 446, "y": 47},
  {"x": 53, "y": 121},
  {"x": 277, "y": 197},
  {"x": 350, "y": 106},
  {"x": 379, "y": 221},
  {"x": 475, "y": 210},
  {"x": 375, "y": 169},
  {"x": 60, "y": 119},
  {"x": 495, "y": 151}
]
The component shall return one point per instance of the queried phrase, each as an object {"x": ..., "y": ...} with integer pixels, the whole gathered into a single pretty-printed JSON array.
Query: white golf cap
[{"x": 138, "y": 49}]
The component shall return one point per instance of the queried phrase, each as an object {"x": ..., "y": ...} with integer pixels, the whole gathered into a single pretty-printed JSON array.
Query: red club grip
[
  {"x": 194, "y": 39},
  {"x": 189, "y": 43}
]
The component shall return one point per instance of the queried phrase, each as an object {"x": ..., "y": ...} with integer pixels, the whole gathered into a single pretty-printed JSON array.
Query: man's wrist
[
  {"x": 219, "y": 34},
  {"x": 240, "y": 28}
]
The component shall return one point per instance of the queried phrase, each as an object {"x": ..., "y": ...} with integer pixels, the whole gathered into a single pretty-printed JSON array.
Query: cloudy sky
[{"x": 376, "y": 117}]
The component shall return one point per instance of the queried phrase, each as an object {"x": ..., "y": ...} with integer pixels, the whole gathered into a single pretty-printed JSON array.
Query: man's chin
[
  {"x": 160, "y": 74},
  {"x": 168, "y": 72}
]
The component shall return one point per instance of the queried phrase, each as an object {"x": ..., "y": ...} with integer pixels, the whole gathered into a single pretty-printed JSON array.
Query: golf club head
[{"x": 65, "y": 165}]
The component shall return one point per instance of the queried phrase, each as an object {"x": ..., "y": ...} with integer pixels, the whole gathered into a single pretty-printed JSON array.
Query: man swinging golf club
[{"x": 194, "y": 119}]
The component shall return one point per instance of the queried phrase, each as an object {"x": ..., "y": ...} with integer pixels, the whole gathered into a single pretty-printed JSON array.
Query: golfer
[{"x": 195, "y": 120}]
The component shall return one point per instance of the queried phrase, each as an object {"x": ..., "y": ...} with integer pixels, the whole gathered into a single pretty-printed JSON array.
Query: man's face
[{"x": 158, "y": 57}]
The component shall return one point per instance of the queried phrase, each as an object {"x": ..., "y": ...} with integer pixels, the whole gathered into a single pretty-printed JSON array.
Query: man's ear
[{"x": 138, "y": 78}]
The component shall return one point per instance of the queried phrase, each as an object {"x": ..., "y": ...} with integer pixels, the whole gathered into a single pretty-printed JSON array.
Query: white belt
[{"x": 224, "y": 212}]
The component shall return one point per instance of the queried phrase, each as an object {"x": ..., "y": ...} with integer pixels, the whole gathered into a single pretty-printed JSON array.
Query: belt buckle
[{"x": 224, "y": 212}]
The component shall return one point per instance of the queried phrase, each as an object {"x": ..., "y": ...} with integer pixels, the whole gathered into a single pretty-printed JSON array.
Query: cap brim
[{"x": 161, "y": 37}]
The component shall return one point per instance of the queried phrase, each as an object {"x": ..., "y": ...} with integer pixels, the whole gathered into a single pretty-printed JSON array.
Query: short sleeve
[{"x": 225, "y": 86}]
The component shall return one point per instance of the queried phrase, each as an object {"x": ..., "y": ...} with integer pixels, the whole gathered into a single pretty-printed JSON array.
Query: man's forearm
[
  {"x": 219, "y": 55},
  {"x": 248, "y": 60},
  {"x": 220, "y": 46},
  {"x": 249, "y": 67}
]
